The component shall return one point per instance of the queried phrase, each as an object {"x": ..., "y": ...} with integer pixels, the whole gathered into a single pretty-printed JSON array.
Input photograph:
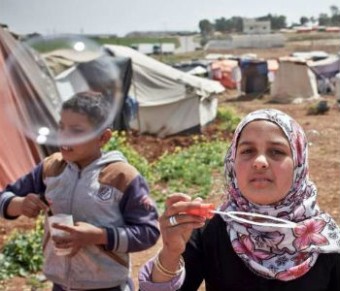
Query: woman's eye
[
  {"x": 246, "y": 151},
  {"x": 276, "y": 152}
]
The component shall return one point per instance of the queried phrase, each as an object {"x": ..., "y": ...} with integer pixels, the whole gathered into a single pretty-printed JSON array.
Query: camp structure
[
  {"x": 169, "y": 101},
  {"x": 325, "y": 71},
  {"x": 27, "y": 93},
  {"x": 227, "y": 72},
  {"x": 74, "y": 72},
  {"x": 273, "y": 66},
  {"x": 254, "y": 76},
  {"x": 294, "y": 80},
  {"x": 337, "y": 87},
  {"x": 196, "y": 68}
]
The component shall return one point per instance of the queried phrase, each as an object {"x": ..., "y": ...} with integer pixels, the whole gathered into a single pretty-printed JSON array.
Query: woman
[{"x": 266, "y": 168}]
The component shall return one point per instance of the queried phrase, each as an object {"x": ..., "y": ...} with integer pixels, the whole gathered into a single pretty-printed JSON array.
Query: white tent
[
  {"x": 199, "y": 70},
  {"x": 170, "y": 101},
  {"x": 91, "y": 70},
  {"x": 294, "y": 80},
  {"x": 337, "y": 87},
  {"x": 325, "y": 71}
]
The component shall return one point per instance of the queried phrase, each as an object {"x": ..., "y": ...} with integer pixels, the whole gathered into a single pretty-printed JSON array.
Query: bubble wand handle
[{"x": 204, "y": 210}]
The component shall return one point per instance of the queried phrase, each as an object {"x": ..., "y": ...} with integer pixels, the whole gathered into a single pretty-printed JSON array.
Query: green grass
[
  {"x": 22, "y": 253},
  {"x": 188, "y": 170}
]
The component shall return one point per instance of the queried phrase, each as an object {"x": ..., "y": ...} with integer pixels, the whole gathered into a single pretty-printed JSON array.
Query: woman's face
[{"x": 264, "y": 164}]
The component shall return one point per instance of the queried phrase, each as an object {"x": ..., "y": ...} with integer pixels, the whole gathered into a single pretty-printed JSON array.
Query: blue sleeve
[
  {"x": 140, "y": 216},
  {"x": 30, "y": 183}
]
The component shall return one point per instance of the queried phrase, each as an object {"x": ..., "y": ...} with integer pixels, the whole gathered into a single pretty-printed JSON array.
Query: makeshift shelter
[
  {"x": 29, "y": 93},
  {"x": 254, "y": 76},
  {"x": 310, "y": 55},
  {"x": 293, "y": 80},
  {"x": 198, "y": 71},
  {"x": 193, "y": 68},
  {"x": 325, "y": 71},
  {"x": 76, "y": 72},
  {"x": 227, "y": 72},
  {"x": 169, "y": 101},
  {"x": 273, "y": 66},
  {"x": 337, "y": 87}
]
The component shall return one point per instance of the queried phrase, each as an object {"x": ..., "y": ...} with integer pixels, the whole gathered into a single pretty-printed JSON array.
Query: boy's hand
[
  {"x": 30, "y": 206},
  {"x": 80, "y": 235}
]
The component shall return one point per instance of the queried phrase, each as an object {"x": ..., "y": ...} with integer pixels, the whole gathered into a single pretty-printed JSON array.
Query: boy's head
[
  {"x": 84, "y": 127},
  {"x": 93, "y": 105}
]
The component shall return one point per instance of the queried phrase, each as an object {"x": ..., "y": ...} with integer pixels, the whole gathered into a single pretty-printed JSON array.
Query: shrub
[
  {"x": 119, "y": 142},
  {"x": 228, "y": 118},
  {"x": 22, "y": 254},
  {"x": 190, "y": 168}
]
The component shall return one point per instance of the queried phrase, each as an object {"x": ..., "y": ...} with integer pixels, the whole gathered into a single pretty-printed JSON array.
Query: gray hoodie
[{"x": 108, "y": 193}]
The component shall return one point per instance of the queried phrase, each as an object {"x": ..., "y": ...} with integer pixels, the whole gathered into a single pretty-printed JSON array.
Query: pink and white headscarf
[{"x": 272, "y": 252}]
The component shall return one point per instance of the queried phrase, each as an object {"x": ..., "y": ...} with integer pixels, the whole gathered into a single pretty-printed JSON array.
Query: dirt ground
[{"x": 324, "y": 131}]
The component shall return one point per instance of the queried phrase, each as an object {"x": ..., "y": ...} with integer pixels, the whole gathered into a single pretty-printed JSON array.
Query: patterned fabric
[{"x": 275, "y": 252}]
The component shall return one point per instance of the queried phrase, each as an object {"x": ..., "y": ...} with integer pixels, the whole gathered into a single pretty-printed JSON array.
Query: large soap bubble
[{"x": 44, "y": 72}]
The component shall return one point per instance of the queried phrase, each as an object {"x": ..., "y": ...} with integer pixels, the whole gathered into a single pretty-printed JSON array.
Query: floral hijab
[{"x": 275, "y": 252}]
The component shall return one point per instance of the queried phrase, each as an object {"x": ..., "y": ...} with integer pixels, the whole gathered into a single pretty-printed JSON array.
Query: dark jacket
[{"x": 209, "y": 256}]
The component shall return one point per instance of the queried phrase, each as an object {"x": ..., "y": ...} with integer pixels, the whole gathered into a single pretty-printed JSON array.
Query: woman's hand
[
  {"x": 176, "y": 228},
  {"x": 176, "y": 236}
]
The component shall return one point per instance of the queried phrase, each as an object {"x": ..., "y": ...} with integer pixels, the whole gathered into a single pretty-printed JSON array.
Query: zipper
[{"x": 68, "y": 259}]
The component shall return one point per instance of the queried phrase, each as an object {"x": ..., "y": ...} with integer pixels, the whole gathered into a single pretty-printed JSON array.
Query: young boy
[{"x": 112, "y": 211}]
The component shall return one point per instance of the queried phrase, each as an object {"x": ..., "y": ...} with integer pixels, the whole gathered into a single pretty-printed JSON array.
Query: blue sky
[{"x": 121, "y": 17}]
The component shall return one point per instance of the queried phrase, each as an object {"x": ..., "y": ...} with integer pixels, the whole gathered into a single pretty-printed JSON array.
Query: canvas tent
[
  {"x": 170, "y": 101},
  {"x": 27, "y": 89},
  {"x": 197, "y": 68},
  {"x": 325, "y": 71},
  {"x": 75, "y": 73},
  {"x": 293, "y": 80},
  {"x": 337, "y": 87}
]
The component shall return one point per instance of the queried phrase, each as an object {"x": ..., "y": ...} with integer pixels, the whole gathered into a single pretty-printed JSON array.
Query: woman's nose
[{"x": 260, "y": 162}]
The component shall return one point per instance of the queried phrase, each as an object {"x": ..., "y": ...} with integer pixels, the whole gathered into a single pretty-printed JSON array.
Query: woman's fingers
[
  {"x": 176, "y": 197},
  {"x": 190, "y": 221},
  {"x": 183, "y": 207}
]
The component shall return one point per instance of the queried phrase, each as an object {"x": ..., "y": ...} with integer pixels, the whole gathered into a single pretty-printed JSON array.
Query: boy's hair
[{"x": 92, "y": 104}]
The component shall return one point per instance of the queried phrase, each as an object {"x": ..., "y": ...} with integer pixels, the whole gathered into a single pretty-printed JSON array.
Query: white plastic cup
[{"x": 60, "y": 218}]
